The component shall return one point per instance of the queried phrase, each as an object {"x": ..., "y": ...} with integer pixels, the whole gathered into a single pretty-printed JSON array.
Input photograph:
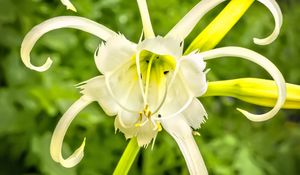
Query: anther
[{"x": 165, "y": 72}]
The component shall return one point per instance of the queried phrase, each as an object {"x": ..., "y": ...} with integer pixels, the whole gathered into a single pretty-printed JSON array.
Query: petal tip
[
  {"x": 42, "y": 68},
  {"x": 254, "y": 117},
  {"x": 69, "y": 5}
]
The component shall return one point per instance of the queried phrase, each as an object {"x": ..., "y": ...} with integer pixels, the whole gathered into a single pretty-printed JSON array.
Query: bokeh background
[{"x": 31, "y": 103}]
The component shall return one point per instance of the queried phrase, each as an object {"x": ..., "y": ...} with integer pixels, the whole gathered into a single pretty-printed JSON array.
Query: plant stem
[{"x": 127, "y": 158}]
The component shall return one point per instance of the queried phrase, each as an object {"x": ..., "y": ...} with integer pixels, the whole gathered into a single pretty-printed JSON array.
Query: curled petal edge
[
  {"x": 277, "y": 14},
  {"x": 55, "y": 23},
  {"x": 263, "y": 62},
  {"x": 60, "y": 131}
]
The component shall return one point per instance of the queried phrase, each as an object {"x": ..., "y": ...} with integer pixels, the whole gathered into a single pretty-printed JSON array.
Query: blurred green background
[{"x": 31, "y": 103}]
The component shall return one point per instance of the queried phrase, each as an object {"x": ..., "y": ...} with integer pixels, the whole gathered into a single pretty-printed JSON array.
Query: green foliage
[{"x": 31, "y": 103}]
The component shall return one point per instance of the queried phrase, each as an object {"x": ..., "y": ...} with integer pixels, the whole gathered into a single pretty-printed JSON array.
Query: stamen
[{"x": 148, "y": 76}]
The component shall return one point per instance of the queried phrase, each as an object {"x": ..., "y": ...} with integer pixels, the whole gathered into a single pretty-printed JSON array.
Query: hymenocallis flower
[{"x": 151, "y": 85}]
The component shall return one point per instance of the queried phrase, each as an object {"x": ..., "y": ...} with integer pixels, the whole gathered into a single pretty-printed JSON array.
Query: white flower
[{"x": 150, "y": 85}]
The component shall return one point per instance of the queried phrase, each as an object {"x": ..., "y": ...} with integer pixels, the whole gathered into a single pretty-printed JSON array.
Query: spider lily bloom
[{"x": 150, "y": 85}]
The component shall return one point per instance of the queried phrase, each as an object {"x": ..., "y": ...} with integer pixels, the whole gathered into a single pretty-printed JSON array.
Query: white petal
[
  {"x": 162, "y": 46},
  {"x": 147, "y": 26},
  {"x": 195, "y": 114},
  {"x": 129, "y": 132},
  {"x": 128, "y": 119},
  {"x": 276, "y": 12},
  {"x": 60, "y": 131},
  {"x": 56, "y": 23},
  {"x": 192, "y": 67},
  {"x": 96, "y": 89},
  {"x": 69, "y": 5},
  {"x": 123, "y": 85},
  {"x": 182, "y": 134},
  {"x": 263, "y": 62},
  {"x": 182, "y": 29},
  {"x": 144, "y": 134},
  {"x": 179, "y": 97},
  {"x": 114, "y": 53}
]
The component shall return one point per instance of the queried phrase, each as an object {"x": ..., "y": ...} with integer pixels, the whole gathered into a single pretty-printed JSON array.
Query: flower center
[{"x": 155, "y": 74}]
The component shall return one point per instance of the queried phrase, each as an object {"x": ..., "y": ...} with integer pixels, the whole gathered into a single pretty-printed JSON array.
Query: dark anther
[
  {"x": 181, "y": 43},
  {"x": 157, "y": 57},
  {"x": 141, "y": 76},
  {"x": 147, "y": 61},
  {"x": 165, "y": 72},
  {"x": 159, "y": 116}
]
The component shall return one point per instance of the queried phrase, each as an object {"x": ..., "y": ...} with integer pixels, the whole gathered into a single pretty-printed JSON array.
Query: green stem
[{"x": 127, "y": 158}]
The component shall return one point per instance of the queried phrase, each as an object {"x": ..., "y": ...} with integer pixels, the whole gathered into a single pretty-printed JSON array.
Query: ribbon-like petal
[
  {"x": 276, "y": 12},
  {"x": 182, "y": 133},
  {"x": 147, "y": 26},
  {"x": 56, "y": 23},
  {"x": 184, "y": 27},
  {"x": 263, "y": 62},
  {"x": 60, "y": 131}
]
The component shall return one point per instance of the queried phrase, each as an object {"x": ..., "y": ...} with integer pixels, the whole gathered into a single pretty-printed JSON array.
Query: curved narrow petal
[
  {"x": 263, "y": 62},
  {"x": 60, "y": 131},
  {"x": 56, "y": 23},
  {"x": 96, "y": 90},
  {"x": 114, "y": 53},
  {"x": 276, "y": 12},
  {"x": 182, "y": 134},
  {"x": 69, "y": 5},
  {"x": 184, "y": 27},
  {"x": 147, "y": 26},
  {"x": 192, "y": 67}
]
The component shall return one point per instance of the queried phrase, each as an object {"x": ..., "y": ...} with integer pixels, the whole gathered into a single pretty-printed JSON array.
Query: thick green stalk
[
  {"x": 127, "y": 158},
  {"x": 256, "y": 91},
  {"x": 206, "y": 40}
]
